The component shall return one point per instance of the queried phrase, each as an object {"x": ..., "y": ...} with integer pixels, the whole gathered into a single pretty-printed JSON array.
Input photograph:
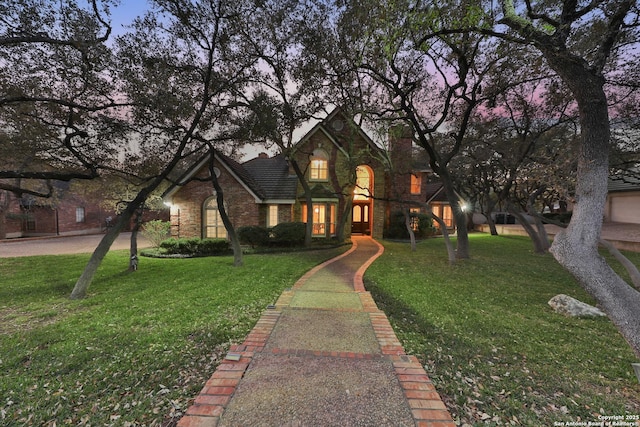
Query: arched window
[
  {"x": 212, "y": 221},
  {"x": 363, "y": 183},
  {"x": 319, "y": 166}
]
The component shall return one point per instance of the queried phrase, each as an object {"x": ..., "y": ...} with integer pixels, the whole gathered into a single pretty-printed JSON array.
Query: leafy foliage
[
  {"x": 288, "y": 233},
  {"x": 156, "y": 231},
  {"x": 253, "y": 235},
  {"x": 195, "y": 247},
  {"x": 398, "y": 230}
]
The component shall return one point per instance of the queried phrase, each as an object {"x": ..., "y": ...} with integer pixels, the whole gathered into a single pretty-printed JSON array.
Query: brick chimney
[
  {"x": 401, "y": 147},
  {"x": 263, "y": 155}
]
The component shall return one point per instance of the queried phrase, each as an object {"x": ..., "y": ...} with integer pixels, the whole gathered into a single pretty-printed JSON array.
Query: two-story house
[{"x": 353, "y": 184}]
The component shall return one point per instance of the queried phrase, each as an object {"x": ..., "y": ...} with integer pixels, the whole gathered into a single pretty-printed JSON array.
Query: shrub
[
  {"x": 195, "y": 246},
  {"x": 288, "y": 233},
  {"x": 212, "y": 247},
  {"x": 156, "y": 231},
  {"x": 425, "y": 225},
  {"x": 398, "y": 230},
  {"x": 253, "y": 235}
]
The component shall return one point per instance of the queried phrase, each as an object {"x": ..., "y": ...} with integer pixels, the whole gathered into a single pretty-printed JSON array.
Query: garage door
[{"x": 625, "y": 208}]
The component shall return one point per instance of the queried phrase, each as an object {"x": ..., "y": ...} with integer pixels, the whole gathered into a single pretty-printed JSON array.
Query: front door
[{"x": 360, "y": 223}]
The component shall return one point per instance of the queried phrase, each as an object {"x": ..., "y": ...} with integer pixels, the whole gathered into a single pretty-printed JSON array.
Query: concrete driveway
[{"x": 63, "y": 245}]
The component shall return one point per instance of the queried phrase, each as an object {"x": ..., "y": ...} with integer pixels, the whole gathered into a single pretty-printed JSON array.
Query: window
[
  {"x": 416, "y": 184},
  {"x": 332, "y": 219},
  {"x": 31, "y": 222},
  {"x": 213, "y": 225},
  {"x": 363, "y": 184},
  {"x": 320, "y": 222},
  {"x": 318, "y": 169},
  {"x": 445, "y": 213},
  {"x": 272, "y": 216},
  {"x": 415, "y": 221},
  {"x": 80, "y": 215}
]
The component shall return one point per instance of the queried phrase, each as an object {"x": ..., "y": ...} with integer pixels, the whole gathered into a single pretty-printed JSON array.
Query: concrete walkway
[{"x": 323, "y": 355}]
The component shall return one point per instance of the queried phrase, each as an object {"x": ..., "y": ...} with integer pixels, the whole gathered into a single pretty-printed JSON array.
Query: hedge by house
[
  {"x": 398, "y": 230},
  {"x": 195, "y": 247}
]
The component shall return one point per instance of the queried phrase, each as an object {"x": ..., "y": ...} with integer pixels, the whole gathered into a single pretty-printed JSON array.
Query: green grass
[
  {"x": 495, "y": 350},
  {"x": 140, "y": 347}
]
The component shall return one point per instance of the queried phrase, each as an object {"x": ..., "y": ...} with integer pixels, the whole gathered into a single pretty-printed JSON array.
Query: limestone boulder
[{"x": 571, "y": 307}]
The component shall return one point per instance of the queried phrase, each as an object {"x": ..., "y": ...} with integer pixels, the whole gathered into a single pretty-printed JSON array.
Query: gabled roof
[
  {"x": 272, "y": 175},
  {"x": 434, "y": 192},
  {"x": 268, "y": 179},
  {"x": 326, "y": 127},
  {"x": 233, "y": 167}
]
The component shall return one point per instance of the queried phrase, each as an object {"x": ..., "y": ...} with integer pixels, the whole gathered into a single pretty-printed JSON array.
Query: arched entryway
[{"x": 362, "y": 213}]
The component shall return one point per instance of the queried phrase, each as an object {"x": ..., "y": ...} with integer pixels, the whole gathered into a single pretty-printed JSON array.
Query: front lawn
[
  {"x": 139, "y": 347},
  {"x": 495, "y": 350}
]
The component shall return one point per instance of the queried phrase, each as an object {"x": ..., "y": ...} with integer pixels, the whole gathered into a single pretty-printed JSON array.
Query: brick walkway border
[{"x": 427, "y": 408}]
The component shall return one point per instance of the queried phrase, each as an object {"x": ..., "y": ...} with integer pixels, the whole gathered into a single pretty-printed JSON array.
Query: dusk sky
[{"x": 125, "y": 13}]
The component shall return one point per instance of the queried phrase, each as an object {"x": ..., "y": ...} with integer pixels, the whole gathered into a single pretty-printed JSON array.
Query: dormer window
[{"x": 319, "y": 166}]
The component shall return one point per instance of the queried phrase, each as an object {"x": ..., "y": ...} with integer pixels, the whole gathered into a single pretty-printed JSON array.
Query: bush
[
  {"x": 195, "y": 246},
  {"x": 213, "y": 247},
  {"x": 398, "y": 230},
  {"x": 288, "y": 233},
  {"x": 156, "y": 231},
  {"x": 253, "y": 235}
]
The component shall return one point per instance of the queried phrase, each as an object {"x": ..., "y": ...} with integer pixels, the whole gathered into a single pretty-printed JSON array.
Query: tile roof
[
  {"x": 625, "y": 182},
  {"x": 271, "y": 174},
  {"x": 245, "y": 175},
  {"x": 434, "y": 192}
]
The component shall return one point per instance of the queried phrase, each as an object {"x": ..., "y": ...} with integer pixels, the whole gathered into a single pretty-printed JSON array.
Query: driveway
[{"x": 63, "y": 245}]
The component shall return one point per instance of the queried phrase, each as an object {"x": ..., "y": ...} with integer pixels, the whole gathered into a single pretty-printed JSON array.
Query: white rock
[{"x": 571, "y": 307}]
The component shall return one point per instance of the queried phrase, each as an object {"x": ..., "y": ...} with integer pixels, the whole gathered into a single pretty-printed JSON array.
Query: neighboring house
[
  {"x": 71, "y": 214},
  {"x": 623, "y": 200},
  {"x": 352, "y": 183},
  {"x": 67, "y": 213}
]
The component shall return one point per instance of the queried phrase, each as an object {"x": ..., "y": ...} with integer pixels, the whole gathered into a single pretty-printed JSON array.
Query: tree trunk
[
  {"x": 542, "y": 232},
  {"x": 451, "y": 252},
  {"x": 228, "y": 225},
  {"x": 309, "y": 201},
  {"x": 634, "y": 274},
  {"x": 459, "y": 216},
  {"x": 83, "y": 282},
  {"x": 492, "y": 224},
  {"x": 576, "y": 248},
  {"x": 407, "y": 223},
  {"x": 488, "y": 212},
  {"x": 133, "y": 246},
  {"x": 540, "y": 245},
  {"x": 342, "y": 224}
]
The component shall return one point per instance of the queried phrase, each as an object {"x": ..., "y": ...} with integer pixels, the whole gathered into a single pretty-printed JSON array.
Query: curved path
[{"x": 323, "y": 355}]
